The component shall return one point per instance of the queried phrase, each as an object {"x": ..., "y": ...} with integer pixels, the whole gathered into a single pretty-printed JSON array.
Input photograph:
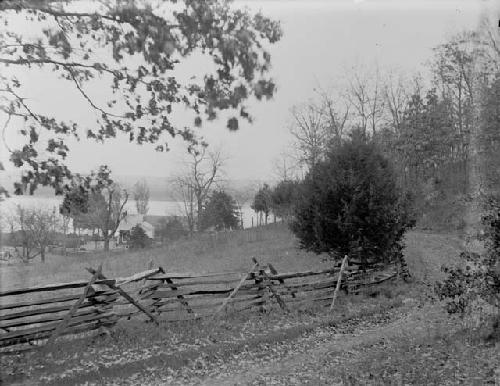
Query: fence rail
[{"x": 28, "y": 315}]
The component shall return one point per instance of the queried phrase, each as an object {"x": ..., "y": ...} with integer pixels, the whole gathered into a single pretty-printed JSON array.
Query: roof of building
[
  {"x": 158, "y": 220},
  {"x": 130, "y": 221}
]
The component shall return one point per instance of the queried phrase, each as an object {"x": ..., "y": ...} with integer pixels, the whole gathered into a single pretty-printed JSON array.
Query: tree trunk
[
  {"x": 42, "y": 254},
  {"x": 200, "y": 210},
  {"x": 107, "y": 237}
]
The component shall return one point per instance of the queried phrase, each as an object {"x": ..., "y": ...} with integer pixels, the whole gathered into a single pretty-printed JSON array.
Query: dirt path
[{"x": 317, "y": 358}]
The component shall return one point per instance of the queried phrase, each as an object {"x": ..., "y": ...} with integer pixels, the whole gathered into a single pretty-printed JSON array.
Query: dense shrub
[
  {"x": 171, "y": 230},
  {"x": 138, "y": 238},
  {"x": 350, "y": 204},
  {"x": 477, "y": 280},
  {"x": 283, "y": 197}
]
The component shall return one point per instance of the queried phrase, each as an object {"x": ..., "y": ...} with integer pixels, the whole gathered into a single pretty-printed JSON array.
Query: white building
[{"x": 131, "y": 221}]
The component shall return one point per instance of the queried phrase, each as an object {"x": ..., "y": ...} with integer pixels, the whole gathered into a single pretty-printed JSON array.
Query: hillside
[{"x": 392, "y": 334}]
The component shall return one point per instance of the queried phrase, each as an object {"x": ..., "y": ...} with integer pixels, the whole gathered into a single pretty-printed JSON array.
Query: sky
[{"x": 321, "y": 40}]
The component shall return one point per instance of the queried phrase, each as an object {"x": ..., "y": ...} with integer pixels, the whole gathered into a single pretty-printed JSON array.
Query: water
[{"x": 157, "y": 208}]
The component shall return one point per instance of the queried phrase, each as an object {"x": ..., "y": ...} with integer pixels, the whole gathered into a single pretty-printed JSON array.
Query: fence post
[
  {"x": 61, "y": 326},
  {"x": 339, "y": 281},
  {"x": 260, "y": 281},
  {"x": 129, "y": 298},
  {"x": 235, "y": 290},
  {"x": 270, "y": 286}
]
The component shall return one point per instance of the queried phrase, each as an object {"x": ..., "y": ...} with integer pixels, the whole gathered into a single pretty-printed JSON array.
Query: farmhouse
[{"x": 131, "y": 221}]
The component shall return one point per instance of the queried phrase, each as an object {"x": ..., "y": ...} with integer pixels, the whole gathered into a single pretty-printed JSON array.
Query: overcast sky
[{"x": 321, "y": 39}]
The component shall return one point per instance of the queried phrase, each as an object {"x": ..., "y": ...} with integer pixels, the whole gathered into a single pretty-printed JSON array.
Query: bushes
[
  {"x": 477, "y": 282},
  {"x": 350, "y": 204},
  {"x": 138, "y": 238}
]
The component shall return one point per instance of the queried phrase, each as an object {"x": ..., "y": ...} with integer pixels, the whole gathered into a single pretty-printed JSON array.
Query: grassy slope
[
  {"x": 419, "y": 346},
  {"x": 230, "y": 252}
]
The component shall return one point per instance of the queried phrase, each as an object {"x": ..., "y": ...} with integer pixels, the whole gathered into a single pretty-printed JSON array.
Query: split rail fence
[{"x": 43, "y": 313}]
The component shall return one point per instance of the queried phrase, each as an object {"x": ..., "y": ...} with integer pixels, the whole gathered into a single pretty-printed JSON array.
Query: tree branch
[
  {"x": 3, "y": 133},
  {"x": 25, "y": 61},
  {"x": 78, "y": 86}
]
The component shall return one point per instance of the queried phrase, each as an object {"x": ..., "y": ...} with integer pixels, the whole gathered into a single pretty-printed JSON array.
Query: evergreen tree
[
  {"x": 350, "y": 204},
  {"x": 138, "y": 238},
  {"x": 220, "y": 212}
]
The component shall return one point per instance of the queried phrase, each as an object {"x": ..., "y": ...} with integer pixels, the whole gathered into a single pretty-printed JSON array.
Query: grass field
[{"x": 231, "y": 251}]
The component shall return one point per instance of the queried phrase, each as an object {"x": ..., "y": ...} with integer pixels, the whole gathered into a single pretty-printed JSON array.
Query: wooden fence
[{"x": 35, "y": 314}]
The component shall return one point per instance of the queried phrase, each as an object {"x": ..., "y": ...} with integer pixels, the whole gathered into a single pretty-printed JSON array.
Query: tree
[
  {"x": 138, "y": 238},
  {"x": 336, "y": 111},
  {"x": 36, "y": 230},
  {"x": 204, "y": 170},
  {"x": 365, "y": 95},
  {"x": 349, "y": 204},
  {"x": 262, "y": 202},
  {"x": 286, "y": 166},
  {"x": 141, "y": 197},
  {"x": 489, "y": 138},
  {"x": 133, "y": 48},
  {"x": 308, "y": 129},
  {"x": 106, "y": 204},
  {"x": 75, "y": 204},
  {"x": 316, "y": 126},
  {"x": 220, "y": 212},
  {"x": 283, "y": 198}
]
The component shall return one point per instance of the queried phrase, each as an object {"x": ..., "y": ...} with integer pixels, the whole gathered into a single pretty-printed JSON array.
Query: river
[{"x": 158, "y": 208}]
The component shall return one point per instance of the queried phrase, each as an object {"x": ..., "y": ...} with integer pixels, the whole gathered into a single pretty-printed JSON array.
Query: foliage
[
  {"x": 3, "y": 192},
  {"x": 138, "y": 238},
  {"x": 75, "y": 203},
  {"x": 283, "y": 197},
  {"x": 350, "y": 205},
  {"x": 220, "y": 212},
  {"x": 134, "y": 48},
  {"x": 479, "y": 277},
  {"x": 106, "y": 202},
  {"x": 141, "y": 197},
  {"x": 262, "y": 202},
  {"x": 173, "y": 230}
]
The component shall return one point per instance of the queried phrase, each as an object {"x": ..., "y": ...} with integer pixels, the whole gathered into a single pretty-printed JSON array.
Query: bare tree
[
  {"x": 308, "y": 129},
  {"x": 364, "y": 94},
  {"x": 34, "y": 229},
  {"x": 141, "y": 196},
  {"x": 203, "y": 171},
  {"x": 396, "y": 91},
  {"x": 184, "y": 192},
  {"x": 286, "y": 167},
  {"x": 336, "y": 114}
]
